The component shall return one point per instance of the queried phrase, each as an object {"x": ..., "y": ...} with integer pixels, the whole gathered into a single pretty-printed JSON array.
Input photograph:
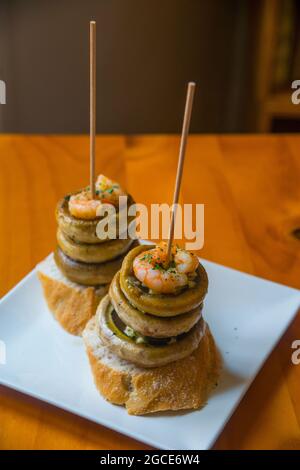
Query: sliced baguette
[
  {"x": 71, "y": 304},
  {"x": 184, "y": 384}
]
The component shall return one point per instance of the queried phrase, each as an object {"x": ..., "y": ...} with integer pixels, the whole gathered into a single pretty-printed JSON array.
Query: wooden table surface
[{"x": 250, "y": 186}]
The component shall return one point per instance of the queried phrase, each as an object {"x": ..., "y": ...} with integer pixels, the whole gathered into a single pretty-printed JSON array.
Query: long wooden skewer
[
  {"x": 92, "y": 105},
  {"x": 182, "y": 149}
]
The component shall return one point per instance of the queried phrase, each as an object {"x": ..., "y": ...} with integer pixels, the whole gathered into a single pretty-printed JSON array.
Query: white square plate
[{"x": 247, "y": 316}]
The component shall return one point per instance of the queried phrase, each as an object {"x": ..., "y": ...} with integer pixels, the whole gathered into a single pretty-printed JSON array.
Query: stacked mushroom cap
[
  {"x": 147, "y": 328},
  {"x": 82, "y": 256}
]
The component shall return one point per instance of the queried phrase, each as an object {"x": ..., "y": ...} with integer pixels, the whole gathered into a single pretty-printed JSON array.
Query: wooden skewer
[
  {"x": 182, "y": 149},
  {"x": 92, "y": 105}
]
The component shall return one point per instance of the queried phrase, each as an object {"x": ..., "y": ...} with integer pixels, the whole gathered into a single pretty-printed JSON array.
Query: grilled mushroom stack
[
  {"x": 81, "y": 255},
  {"x": 161, "y": 344},
  {"x": 151, "y": 329},
  {"x": 77, "y": 277}
]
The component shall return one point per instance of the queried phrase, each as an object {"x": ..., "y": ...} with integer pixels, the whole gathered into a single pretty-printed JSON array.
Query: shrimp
[
  {"x": 82, "y": 206},
  {"x": 108, "y": 191},
  {"x": 150, "y": 268},
  {"x": 186, "y": 262}
]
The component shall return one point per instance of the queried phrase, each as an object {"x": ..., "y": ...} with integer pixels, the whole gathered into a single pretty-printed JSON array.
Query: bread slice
[
  {"x": 71, "y": 304},
  {"x": 184, "y": 384}
]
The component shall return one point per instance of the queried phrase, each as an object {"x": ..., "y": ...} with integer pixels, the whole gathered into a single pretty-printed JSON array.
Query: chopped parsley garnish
[
  {"x": 158, "y": 267},
  {"x": 147, "y": 257}
]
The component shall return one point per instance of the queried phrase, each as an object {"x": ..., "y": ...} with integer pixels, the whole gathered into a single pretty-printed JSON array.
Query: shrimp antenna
[
  {"x": 92, "y": 105},
  {"x": 182, "y": 149}
]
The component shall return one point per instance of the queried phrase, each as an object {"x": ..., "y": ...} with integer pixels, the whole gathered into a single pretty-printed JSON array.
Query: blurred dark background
[{"x": 243, "y": 54}]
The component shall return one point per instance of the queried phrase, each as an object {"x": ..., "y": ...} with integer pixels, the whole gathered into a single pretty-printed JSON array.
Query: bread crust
[
  {"x": 184, "y": 384},
  {"x": 72, "y": 305}
]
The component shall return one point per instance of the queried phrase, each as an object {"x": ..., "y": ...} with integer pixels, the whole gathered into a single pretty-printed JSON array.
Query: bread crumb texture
[
  {"x": 71, "y": 304},
  {"x": 184, "y": 384}
]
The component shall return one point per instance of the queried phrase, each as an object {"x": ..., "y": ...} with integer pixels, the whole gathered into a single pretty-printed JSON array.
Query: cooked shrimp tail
[
  {"x": 82, "y": 206},
  {"x": 152, "y": 269}
]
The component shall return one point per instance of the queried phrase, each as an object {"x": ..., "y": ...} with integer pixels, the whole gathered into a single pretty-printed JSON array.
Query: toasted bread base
[
  {"x": 72, "y": 304},
  {"x": 184, "y": 384}
]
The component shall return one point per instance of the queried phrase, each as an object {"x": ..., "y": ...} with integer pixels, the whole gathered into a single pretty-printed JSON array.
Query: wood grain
[{"x": 250, "y": 188}]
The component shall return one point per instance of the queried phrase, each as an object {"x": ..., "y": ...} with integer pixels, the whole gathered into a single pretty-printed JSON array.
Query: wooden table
[{"x": 250, "y": 186}]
